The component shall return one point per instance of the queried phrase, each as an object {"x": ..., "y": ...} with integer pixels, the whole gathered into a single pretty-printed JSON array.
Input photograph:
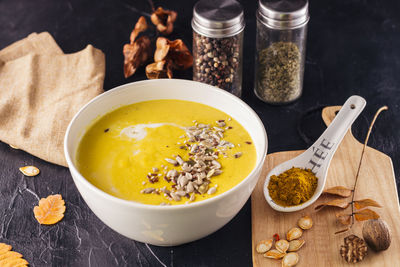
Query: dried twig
[
  {"x": 357, "y": 206},
  {"x": 361, "y": 159}
]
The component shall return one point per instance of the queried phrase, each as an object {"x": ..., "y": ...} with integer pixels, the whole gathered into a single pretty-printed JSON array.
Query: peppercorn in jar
[{"x": 217, "y": 44}]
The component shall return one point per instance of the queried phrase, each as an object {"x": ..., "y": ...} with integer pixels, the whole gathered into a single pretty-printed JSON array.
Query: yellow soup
[{"x": 166, "y": 152}]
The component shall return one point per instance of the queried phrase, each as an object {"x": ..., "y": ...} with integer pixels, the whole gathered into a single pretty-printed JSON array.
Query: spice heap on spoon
[{"x": 298, "y": 183}]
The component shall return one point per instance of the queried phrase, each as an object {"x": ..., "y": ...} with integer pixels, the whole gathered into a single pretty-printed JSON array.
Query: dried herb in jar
[{"x": 279, "y": 73}]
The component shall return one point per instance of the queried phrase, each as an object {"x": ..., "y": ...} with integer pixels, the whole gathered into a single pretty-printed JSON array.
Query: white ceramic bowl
[{"x": 165, "y": 225}]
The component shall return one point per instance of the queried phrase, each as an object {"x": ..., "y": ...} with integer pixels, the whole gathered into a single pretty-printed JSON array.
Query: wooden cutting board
[{"x": 322, "y": 246}]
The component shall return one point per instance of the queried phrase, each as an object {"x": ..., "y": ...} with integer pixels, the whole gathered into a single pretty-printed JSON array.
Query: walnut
[{"x": 354, "y": 249}]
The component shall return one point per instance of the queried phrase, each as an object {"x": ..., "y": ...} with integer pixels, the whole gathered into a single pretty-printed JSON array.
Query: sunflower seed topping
[
  {"x": 204, "y": 144},
  {"x": 212, "y": 190},
  {"x": 147, "y": 190},
  {"x": 179, "y": 160},
  {"x": 173, "y": 162}
]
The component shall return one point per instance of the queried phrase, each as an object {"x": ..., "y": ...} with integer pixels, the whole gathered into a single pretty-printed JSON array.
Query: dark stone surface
[{"x": 352, "y": 49}]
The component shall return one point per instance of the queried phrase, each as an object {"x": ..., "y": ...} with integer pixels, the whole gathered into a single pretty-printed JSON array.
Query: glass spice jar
[
  {"x": 217, "y": 44},
  {"x": 280, "y": 50}
]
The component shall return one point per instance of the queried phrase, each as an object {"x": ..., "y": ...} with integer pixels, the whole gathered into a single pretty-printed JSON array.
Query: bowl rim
[{"x": 131, "y": 203}]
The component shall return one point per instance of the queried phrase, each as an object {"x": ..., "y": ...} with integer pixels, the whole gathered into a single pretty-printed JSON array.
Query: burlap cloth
[{"x": 41, "y": 89}]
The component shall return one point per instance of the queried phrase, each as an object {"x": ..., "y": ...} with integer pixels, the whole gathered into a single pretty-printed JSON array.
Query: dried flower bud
[
  {"x": 164, "y": 20},
  {"x": 159, "y": 70},
  {"x": 136, "y": 54}
]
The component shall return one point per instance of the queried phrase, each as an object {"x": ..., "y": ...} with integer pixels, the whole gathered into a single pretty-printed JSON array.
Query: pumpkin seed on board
[
  {"x": 290, "y": 259},
  {"x": 282, "y": 245},
  {"x": 274, "y": 254},
  {"x": 264, "y": 246},
  {"x": 295, "y": 245},
  {"x": 294, "y": 233},
  {"x": 29, "y": 170},
  {"x": 305, "y": 222}
]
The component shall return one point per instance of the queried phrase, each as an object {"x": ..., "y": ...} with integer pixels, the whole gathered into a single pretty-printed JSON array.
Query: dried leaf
[
  {"x": 344, "y": 219},
  {"x": 10, "y": 258},
  {"x": 338, "y": 191},
  {"x": 366, "y": 214},
  {"x": 339, "y": 203},
  {"x": 4, "y": 248},
  {"x": 363, "y": 203},
  {"x": 136, "y": 54},
  {"x": 164, "y": 20},
  {"x": 29, "y": 170},
  {"x": 158, "y": 70},
  {"x": 50, "y": 210},
  {"x": 141, "y": 26},
  {"x": 342, "y": 231}
]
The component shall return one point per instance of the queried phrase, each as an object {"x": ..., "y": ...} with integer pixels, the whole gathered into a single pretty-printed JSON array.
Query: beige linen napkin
[{"x": 40, "y": 91}]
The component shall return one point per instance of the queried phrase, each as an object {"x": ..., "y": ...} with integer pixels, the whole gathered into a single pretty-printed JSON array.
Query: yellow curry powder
[{"x": 292, "y": 187}]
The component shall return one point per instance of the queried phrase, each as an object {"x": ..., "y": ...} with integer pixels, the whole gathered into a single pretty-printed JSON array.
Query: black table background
[{"x": 352, "y": 49}]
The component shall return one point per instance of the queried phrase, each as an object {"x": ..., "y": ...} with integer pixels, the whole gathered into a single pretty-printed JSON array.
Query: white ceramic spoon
[{"x": 319, "y": 155}]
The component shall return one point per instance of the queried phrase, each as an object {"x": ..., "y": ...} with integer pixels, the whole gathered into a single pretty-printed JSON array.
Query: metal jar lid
[
  {"x": 283, "y": 14},
  {"x": 218, "y": 18}
]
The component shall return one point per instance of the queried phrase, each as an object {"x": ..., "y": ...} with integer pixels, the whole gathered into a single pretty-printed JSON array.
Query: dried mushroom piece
[
  {"x": 164, "y": 20},
  {"x": 176, "y": 52},
  {"x": 180, "y": 55},
  {"x": 162, "y": 49},
  {"x": 169, "y": 55},
  {"x": 140, "y": 26},
  {"x": 158, "y": 70},
  {"x": 138, "y": 50},
  {"x": 136, "y": 54},
  {"x": 354, "y": 249}
]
